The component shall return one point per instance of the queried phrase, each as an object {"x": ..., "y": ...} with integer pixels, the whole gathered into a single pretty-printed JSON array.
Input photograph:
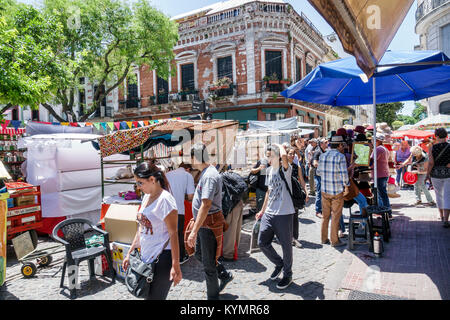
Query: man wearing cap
[
  {"x": 382, "y": 173},
  {"x": 333, "y": 172}
]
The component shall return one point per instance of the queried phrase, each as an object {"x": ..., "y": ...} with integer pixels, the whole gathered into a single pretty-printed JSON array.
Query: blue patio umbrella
[{"x": 400, "y": 76}]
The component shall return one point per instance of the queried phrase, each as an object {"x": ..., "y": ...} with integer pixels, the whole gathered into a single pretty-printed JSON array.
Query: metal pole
[{"x": 375, "y": 169}]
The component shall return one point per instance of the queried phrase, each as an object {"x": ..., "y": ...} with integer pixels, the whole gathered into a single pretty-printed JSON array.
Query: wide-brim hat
[{"x": 337, "y": 139}]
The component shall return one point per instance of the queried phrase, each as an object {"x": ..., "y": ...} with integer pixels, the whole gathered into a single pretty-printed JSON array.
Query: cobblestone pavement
[{"x": 415, "y": 266}]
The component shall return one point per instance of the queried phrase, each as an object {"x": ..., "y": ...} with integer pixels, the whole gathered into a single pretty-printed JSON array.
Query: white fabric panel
[
  {"x": 82, "y": 156},
  {"x": 83, "y": 179},
  {"x": 72, "y": 202}
]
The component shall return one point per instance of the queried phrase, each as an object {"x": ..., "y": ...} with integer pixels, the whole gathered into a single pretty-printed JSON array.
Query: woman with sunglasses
[{"x": 157, "y": 235}]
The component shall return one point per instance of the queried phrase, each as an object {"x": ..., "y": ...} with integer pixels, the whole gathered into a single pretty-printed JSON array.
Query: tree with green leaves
[
  {"x": 29, "y": 57},
  {"x": 105, "y": 40},
  {"x": 387, "y": 112}
]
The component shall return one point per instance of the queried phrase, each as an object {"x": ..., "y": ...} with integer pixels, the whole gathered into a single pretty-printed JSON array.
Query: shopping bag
[{"x": 254, "y": 238}]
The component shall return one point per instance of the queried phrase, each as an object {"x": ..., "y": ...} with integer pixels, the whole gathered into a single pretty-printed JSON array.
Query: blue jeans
[
  {"x": 317, "y": 182},
  {"x": 400, "y": 173},
  {"x": 362, "y": 201},
  {"x": 383, "y": 199}
]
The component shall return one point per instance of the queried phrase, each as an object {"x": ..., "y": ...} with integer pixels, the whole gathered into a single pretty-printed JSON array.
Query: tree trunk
[
  {"x": 2, "y": 111},
  {"x": 52, "y": 112}
]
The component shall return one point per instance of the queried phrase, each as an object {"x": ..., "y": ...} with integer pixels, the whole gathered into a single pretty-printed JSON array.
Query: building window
[
  {"x": 225, "y": 68},
  {"x": 301, "y": 118},
  {"x": 309, "y": 68},
  {"x": 15, "y": 114},
  {"x": 162, "y": 90},
  {"x": 298, "y": 69},
  {"x": 275, "y": 116},
  {"x": 444, "y": 107},
  {"x": 35, "y": 115},
  {"x": 445, "y": 39},
  {"x": 187, "y": 77},
  {"x": 132, "y": 95},
  {"x": 273, "y": 64}
]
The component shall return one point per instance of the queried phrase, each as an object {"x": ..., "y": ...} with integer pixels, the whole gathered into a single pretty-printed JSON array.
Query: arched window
[{"x": 444, "y": 107}]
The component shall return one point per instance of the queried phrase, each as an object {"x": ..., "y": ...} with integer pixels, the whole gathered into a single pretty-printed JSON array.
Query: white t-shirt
[
  {"x": 181, "y": 183},
  {"x": 153, "y": 239},
  {"x": 280, "y": 201}
]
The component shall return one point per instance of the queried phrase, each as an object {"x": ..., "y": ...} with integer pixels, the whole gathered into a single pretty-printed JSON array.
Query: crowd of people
[{"x": 324, "y": 168}]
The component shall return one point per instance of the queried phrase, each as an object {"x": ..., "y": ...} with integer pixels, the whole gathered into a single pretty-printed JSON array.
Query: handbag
[
  {"x": 440, "y": 172},
  {"x": 352, "y": 191},
  {"x": 299, "y": 200},
  {"x": 139, "y": 275},
  {"x": 253, "y": 180}
]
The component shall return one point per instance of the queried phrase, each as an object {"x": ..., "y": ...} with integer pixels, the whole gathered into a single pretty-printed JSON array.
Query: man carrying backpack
[{"x": 234, "y": 189}]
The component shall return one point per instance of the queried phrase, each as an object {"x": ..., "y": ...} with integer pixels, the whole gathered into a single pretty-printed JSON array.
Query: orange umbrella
[{"x": 413, "y": 134}]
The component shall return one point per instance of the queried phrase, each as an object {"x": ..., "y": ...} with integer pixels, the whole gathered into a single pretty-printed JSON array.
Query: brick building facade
[{"x": 226, "y": 55}]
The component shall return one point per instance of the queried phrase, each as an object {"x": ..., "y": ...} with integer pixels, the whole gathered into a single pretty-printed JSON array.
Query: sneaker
[
  {"x": 276, "y": 273},
  {"x": 296, "y": 243},
  {"x": 318, "y": 215},
  {"x": 225, "y": 281},
  {"x": 339, "y": 244},
  {"x": 184, "y": 259},
  {"x": 284, "y": 283}
]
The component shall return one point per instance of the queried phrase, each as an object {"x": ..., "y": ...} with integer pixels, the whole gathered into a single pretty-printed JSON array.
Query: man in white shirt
[{"x": 182, "y": 186}]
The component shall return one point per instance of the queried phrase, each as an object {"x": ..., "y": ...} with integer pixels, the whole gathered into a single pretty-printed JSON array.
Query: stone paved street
[{"x": 415, "y": 266}]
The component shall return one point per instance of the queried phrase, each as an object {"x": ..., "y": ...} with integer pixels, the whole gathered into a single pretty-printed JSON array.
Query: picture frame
[{"x": 361, "y": 152}]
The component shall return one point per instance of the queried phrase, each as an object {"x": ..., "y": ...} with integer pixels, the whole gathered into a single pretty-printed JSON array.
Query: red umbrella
[{"x": 413, "y": 134}]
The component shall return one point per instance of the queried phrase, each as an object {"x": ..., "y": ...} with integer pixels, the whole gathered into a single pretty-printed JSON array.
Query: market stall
[
  {"x": 161, "y": 142},
  {"x": 66, "y": 167}
]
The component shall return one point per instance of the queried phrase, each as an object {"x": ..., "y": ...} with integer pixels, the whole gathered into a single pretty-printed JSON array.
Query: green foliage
[
  {"x": 397, "y": 124},
  {"x": 419, "y": 112},
  {"x": 387, "y": 112},
  {"x": 406, "y": 119},
  {"x": 43, "y": 54},
  {"x": 28, "y": 60}
]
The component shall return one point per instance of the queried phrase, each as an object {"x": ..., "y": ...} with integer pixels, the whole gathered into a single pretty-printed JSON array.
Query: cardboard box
[
  {"x": 24, "y": 200},
  {"x": 120, "y": 222},
  {"x": 119, "y": 252}
]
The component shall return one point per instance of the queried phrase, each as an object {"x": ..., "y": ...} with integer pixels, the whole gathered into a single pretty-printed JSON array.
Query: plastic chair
[{"x": 76, "y": 250}]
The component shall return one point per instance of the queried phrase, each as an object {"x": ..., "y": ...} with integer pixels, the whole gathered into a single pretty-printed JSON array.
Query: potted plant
[
  {"x": 285, "y": 81},
  {"x": 274, "y": 79}
]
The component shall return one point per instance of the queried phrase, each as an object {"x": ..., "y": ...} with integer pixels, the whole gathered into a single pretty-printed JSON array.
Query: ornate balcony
[{"x": 427, "y": 6}]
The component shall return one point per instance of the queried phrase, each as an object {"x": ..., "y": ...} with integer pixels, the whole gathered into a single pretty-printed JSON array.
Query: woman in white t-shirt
[{"x": 157, "y": 233}]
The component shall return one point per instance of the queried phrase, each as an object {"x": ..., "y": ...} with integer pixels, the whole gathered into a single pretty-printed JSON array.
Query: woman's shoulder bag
[{"x": 139, "y": 275}]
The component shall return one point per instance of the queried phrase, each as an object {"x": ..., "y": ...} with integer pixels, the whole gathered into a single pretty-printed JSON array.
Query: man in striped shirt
[{"x": 332, "y": 170}]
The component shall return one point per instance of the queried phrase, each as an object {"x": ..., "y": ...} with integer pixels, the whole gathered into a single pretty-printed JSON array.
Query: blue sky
[{"x": 405, "y": 39}]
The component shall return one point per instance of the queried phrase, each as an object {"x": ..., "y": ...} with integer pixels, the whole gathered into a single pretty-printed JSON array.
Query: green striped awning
[
  {"x": 242, "y": 115},
  {"x": 312, "y": 115},
  {"x": 301, "y": 112},
  {"x": 275, "y": 110}
]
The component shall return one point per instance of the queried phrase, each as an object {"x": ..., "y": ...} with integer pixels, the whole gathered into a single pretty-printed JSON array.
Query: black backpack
[
  {"x": 297, "y": 195},
  {"x": 234, "y": 189}
]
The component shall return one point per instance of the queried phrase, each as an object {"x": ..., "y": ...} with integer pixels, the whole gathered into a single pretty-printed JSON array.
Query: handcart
[{"x": 26, "y": 253}]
